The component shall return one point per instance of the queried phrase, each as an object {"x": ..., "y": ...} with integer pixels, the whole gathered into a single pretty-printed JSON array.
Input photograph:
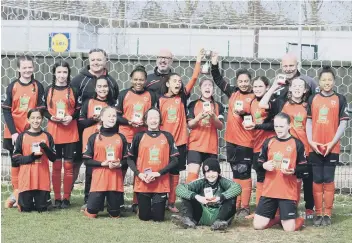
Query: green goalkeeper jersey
[{"x": 223, "y": 188}]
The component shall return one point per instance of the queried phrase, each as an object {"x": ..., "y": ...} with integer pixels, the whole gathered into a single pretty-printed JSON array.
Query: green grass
[{"x": 71, "y": 226}]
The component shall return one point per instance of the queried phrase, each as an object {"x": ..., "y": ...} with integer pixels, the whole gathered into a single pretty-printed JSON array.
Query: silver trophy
[
  {"x": 206, "y": 66},
  {"x": 208, "y": 54}
]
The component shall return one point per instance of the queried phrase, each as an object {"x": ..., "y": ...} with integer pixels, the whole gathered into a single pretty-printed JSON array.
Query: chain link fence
[{"x": 251, "y": 34}]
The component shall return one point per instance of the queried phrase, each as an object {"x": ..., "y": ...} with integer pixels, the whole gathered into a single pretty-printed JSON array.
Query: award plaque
[
  {"x": 60, "y": 110},
  {"x": 239, "y": 105},
  {"x": 285, "y": 164},
  {"x": 35, "y": 148},
  {"x": 206, "y": 106},
  {"x": 281, "y": 79},
  {"x": 208, "y": 193},
  {"x": 97, "y": 110},
  {"x": 248, "y": 120},
  {"x": 110, "y": 154}
]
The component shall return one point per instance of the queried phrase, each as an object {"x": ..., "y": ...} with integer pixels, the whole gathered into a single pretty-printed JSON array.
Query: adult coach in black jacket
[
  {"x": 162, "y": 69},
  {"x": 85, "y": 83}
]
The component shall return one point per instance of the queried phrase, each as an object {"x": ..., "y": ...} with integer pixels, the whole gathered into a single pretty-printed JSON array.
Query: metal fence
[
  {"x": 121, "y": 66},
  {"x": 250, "y": 18}
]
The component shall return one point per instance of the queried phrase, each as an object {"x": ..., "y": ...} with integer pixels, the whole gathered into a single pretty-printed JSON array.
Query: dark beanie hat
[{"x": 211, "y": 164}]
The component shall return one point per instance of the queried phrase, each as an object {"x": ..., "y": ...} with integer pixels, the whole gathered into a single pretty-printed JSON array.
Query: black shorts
[
  {"x": 319, "y": 160},
  {"x": 66, "y": 151},
  {"x": 195, "y": 157},
  {"x": 34, "y": 200},
  {"x": 323, "y": 174},
  {"x": 268, "y": 206},
  {"x": 260, "y": 172},
  {"x": 237, "y": 154},
  {"x": 96, "y": 201},
  {"x": 240, "y": 159}
]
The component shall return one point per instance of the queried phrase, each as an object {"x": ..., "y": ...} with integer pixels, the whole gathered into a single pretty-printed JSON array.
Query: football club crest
[
  {"x": 24, "y": 102},
  {"x": 154, "y": 154}
]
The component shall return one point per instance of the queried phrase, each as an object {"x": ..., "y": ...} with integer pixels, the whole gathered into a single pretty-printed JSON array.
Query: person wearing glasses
[
  {"x": 84, "y": 83},
  {"x": 162, "y": 69}
]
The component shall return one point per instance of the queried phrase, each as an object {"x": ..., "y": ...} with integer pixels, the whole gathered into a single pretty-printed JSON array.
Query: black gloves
[
  {"x": 35, "y": 157},
  {"x": 43, "y": 145}
]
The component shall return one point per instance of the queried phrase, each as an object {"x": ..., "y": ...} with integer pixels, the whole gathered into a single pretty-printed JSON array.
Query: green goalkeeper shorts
[{"x": 209, "y": 215}]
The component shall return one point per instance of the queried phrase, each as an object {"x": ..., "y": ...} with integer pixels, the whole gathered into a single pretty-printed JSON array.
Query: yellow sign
[{"x": 59, "y": 42}]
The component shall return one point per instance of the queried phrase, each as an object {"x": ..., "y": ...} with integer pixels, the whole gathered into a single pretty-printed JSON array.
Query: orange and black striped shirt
[
  {"x": 326, "y": 113},
  {"x": 173, "y": 116},
  {"x": 235, "y": 133},
  {"x": 101, "y": 147},
  {"x": 34, "y": 173},
  {"x": 263, "y": 121},
  {"x": 204, "y": 137},
  {"x": 153, "y": 151},
  {"x": 20, "y": 98},
  {"x": 283, "y": 152},
  {"x": 131, "y": 107},
  {"x": 60, "y": 103},
  {"x": 89, "y": 125}
]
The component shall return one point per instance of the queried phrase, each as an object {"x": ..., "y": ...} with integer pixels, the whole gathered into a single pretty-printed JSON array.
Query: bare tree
[
  {"x": 211, "y": 15},
  {"x": 314, "y": 6},
  {"x": 229, "y": 13},
  {"x": 187, "y": 10},
  {"x": 348, "y": 6},
  {"x": 152, "y": 11}
]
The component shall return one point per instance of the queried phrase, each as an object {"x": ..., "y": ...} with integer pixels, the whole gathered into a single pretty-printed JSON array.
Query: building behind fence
[{"x": 257, "y": 32}]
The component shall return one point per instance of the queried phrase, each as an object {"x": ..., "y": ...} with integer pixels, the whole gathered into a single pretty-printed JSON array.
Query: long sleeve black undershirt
[
  {"x": 49, "y": 153},
  {"x": 84, "y": 123},
  {"x": 9, "y": 121}
]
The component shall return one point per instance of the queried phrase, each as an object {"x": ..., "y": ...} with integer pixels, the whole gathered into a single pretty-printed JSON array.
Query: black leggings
[
  {"x": 182, "y": 160},
  {"x": 151, "y": 206},
  {"x": 96, "y": 202},
  {"x": 260, "y": 172},
  {"x": 87, "y": 183},
  {"x": 193, "y": 209},
  {"x": 34, "y": 200},
  {"x": 308, "y": 190}
]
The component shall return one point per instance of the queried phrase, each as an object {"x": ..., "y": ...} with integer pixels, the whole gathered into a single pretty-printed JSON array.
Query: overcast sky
[{"x": 331, "y": 12}]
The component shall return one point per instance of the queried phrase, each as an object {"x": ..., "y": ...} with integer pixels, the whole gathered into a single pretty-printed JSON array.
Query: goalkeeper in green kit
[{"x": 207, "y": 201}]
